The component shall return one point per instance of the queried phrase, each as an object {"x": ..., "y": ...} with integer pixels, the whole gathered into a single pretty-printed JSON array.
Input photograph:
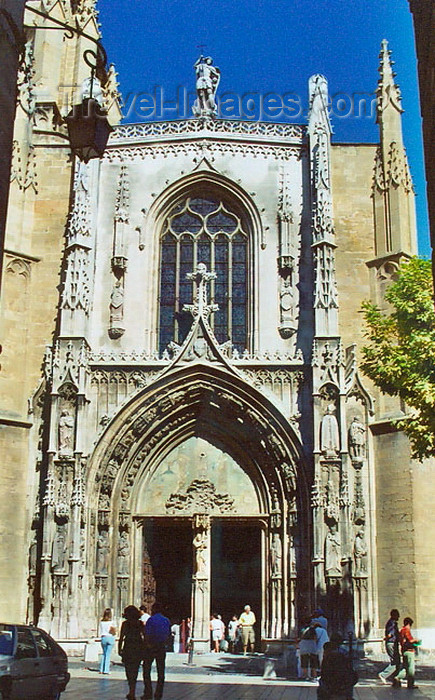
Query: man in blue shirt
[{"x": 157, "y": 632}]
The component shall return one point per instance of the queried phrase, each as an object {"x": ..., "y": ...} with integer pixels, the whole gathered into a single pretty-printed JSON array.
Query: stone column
[{"x": 201, "y": 582}]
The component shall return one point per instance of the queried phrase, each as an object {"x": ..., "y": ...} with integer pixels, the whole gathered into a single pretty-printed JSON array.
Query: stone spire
[{"x": 392, "y": 186}]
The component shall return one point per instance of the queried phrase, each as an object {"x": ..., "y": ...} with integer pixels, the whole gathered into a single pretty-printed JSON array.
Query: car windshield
[{"x": 6, "y": 639}]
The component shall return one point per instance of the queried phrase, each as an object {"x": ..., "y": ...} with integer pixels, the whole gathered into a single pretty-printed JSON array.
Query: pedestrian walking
[
  {"x": 246, "y": 623},
  {"x": 408, "y": 645},
  {"x": 107, "y": 632},
  {"x": 131, "y": 646},
  {"x": 156, "y": 635},
  {"x": 391, "y": 639}
]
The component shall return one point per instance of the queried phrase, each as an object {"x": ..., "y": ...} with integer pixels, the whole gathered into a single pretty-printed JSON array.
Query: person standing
[
  {"x": 392, "y": 647},
  {"x": 107, "y": 632},
  {"x": 232, "y": 634},
  {"x": 308, "y": 652},
  {"x": 320, "y": 617},
  {"x": 156, "y": 635},
  {"x": 246, "y": 622},
  {"x": 176, "y": 636},
  {"x": 407, "y": 644},
  {"x": 144, "y": 614},
  {"x": 322, "y": 638},
  {"x": 131, "y": 646},
  {"x": 217, "y": 629}
]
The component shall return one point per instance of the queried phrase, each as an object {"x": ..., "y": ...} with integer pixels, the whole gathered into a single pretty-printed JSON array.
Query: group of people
[
  {"x": 400, "y": 646},
  {"x": 240, "y": 632},
  {"x": 143, "y": 638}
]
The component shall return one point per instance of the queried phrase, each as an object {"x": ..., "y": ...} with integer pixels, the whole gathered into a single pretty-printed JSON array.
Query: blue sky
[{"x": 268, "y": 46}]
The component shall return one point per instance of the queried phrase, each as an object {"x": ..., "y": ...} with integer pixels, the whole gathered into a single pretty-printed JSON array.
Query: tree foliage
[{"x": 400, "y": 355}]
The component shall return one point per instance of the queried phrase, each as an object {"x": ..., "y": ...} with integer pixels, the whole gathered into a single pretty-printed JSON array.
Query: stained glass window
[{"x": 204, "y": 230}]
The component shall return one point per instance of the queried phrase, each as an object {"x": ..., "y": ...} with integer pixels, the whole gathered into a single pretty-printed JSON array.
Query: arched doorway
[{"x": 203, "y": 535}]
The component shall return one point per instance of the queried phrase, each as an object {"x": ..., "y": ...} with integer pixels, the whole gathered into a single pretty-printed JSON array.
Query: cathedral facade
[{"x": 187, "y": 419}]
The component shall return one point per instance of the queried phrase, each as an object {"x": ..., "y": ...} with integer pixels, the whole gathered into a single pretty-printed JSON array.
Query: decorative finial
[
  {"x": 207, "y": 81},
  {"x": 388, "y": 92}
]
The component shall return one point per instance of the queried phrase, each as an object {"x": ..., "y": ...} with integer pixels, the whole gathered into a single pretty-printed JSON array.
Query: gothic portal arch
[{"x": 250, "y": 448}]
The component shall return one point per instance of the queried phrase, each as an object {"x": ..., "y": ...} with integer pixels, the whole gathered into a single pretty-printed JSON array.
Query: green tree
[{"x": 400, "y": 355}]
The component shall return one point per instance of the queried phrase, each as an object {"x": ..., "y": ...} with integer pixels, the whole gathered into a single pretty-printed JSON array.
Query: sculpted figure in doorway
[
  {"x": 102, "y": 552},
  {"x": 333, "y": 551},
  {"x": 123, "y": 553},
  {"x": 276, "y": 554},
  {"x": 360, "y": 552},
  {"x": 200, "y": 546}
]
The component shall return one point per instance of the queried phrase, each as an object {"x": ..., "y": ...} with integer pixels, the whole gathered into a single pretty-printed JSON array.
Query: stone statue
[
  {"x": 357, "y": 440},
  {"x": 66, "y": 432},
  {"x": 58, "y": 558},
  {"x": 329, "y": 435},
  {"x": 200, "y": 546},
  {"x": 287, "y": 308},
  {"x": 333, "y": 551},
  {"x": 276, "y": 555},
  {"x": 360, "y": 553},
  {"x": 123, "y": 553},
  {"x": 117, "y": 303},
  {"x": 207, "y": 81},
  {"x": 102, "y": 552}
]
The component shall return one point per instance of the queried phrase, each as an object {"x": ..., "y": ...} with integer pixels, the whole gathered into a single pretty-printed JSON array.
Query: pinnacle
[{"x": 388, "y": 91}]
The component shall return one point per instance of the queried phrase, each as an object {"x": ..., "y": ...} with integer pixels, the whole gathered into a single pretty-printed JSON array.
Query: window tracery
[{"x": 202, "y": 229}]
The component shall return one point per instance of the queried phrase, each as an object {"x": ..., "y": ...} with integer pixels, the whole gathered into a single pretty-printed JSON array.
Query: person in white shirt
[
  {"x": 144, "y": 616},
  {"x": 217, "y": 628},
  {"x": 107, "y": 632},
  {"x": 246, "y": 622}
]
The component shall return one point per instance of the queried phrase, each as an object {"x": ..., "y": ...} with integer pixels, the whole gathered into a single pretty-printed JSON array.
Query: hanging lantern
[{"x": 88, "y": 129}]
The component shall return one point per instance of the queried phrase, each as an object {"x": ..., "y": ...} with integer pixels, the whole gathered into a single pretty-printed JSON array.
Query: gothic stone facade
[{"x": 203, "y": 373}]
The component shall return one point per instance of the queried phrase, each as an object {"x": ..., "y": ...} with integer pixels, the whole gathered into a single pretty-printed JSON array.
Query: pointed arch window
[{"x": 204, "y": 229}]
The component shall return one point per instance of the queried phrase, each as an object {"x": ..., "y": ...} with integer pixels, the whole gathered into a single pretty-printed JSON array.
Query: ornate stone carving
[
  {"x": 154, "y": 130},
  {"x": 194, "y": 149},
  {"x": 329, "y": 434},
  {"x": 325, "y": 292},
  {"x": 80, "y": 219},
  {"x": 76, "y": 291},
  {"x": 199, "y": 497}
]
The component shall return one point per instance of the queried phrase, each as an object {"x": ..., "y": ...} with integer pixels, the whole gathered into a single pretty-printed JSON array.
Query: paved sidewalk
[{"x": 225, "y": 677}]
